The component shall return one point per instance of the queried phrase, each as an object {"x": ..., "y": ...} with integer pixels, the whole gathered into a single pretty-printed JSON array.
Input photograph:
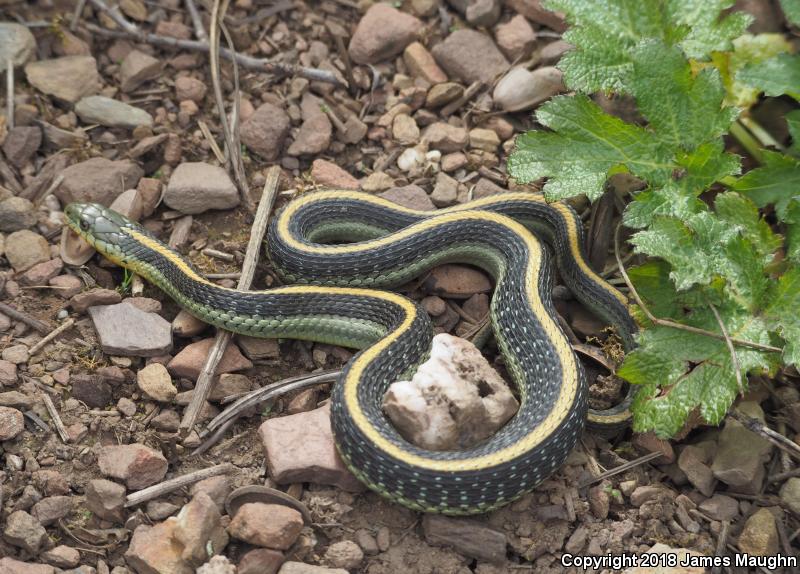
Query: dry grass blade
[{"x": 621, "y": 468}]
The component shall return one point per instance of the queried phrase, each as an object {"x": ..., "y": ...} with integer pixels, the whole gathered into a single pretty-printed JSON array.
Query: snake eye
[{"x": 85, "y": 225}]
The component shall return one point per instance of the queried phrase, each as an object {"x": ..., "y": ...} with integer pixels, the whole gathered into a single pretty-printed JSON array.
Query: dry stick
[
  {"x": 211, "y": 141},
  {"x": 51, "y": 335},
  {"x": 673, "y": 324},
  {"x": 473, "y": 89},
  {"x": 197, "y": 22},
  {"x": 737, "y": 369},
  {"x": 172, "y": 484},
  {"x": 621, "y": 468},
  {"x": 781, "y": 476},
  {"x": 37, "y": 199},
  {"x": 59, "y": 424},
  {"x": 116, "y": 15},
  {"x": 763, "y": 430},
  {"x": 76, "y": 14},
  {"x": 206, "y": 378},
  {"x": 722, "y": 539},
  {"x": 10, "y": 92},
  {"x": 35, "y": 324}
]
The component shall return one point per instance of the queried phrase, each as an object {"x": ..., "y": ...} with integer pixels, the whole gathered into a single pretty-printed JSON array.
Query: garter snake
[{"x": 337, "y": 297}]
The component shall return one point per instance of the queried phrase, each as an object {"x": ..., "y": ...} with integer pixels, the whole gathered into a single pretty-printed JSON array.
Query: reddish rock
[
  {"x": 50, "y": 482},
  {"x": 11, "y": 423},
  {"x": 471, "y": 56},
  {"x": 411, "y": 196},
  {"x": 535, "y": 12},
  {"x": 11, "y": 566},
  {"x": 457, "y": 281},
  {"x": 649, "y": 442},
  {"x": 260, "y": 561},
  {"x": 97, "y": 180},
  {"x": 420, "y": 63},
  {"x": 66, "y": 286},
  {"x": 187, "y": 325},
  {"x": 172, "y": 29},
  {"x": 189, "y": 362},
  {"x": 199, "y": 529},
  {"x": 97, "y": 296},
  {"x": 24, "y": 531},
  {"x": 136, "y": 69},
  {"x": 106, "y": 499},
  {"x": 216, "y": 487},
  {"x": 445, "y": 137},
  {"x": 516, "y": 37},
  {"x": 300, "y": 448},
  {"x": 154, "y": 550},
  {"x": 136, "y": 464},
  {"x": 331, "y": 175},
  {"x": 269, "y": 525},
  {"x": 187, "y": 88},
  {"x": 381, "y": 33},
  {"x": 265, "y": 131},
  {"x": 61, "y": 556},
  {"x": 50, "y": 509}
]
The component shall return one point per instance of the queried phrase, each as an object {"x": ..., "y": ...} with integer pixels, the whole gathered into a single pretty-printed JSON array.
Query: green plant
[
  {"x": 127, "y": 279},
  {"x": 717, "y": 264}
]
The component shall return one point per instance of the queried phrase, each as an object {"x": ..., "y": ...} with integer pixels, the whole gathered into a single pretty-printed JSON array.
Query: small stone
[
  {"x": 125, "y": 330},
  {"x": 453, "y": 162},
  {"x": 17, "y": 354},
  {"x": 455, "y": 399},
  {"x": 552, "y": 52},
  {"x": 21, "y": 144},
  {"x": 692, "y": 461},
  {"x": 534, "y": 11},
  {"x": 136, "y": 464},
  {"x": 649, "y": 442},
  {"x": 111, "y": 113},
  {"x": 300, "y": 448},
  {"x": 466, "y": 536},
  {"x": 216, "y": 487},
  {"x": 521, "y": 89},
  {"x": 268, "y": 525},
  {"x": 166, "y": 421},
  {"x": 199, "y": 529},
  {"x": 53, "y": 508},
  {"x": 24, "y": 249},
  {"x": 759, "y": 536},
  {"x": 480, "y": 138},
  {"x": 69, "y": 78},
  {"x": 304, "y": 401},
  {"x": 457, "y": 281},
  {"x": 16, "y": 44},
  {"x": 740, "y": 458},
  {"x": 136, "y": 69},
  {"x": 470, "y": 56},
  {"x": 442, "y": 94},
  {"x": 126, "y": 406},
  {"x": 230, "y": 384},
  {"x": 260, "y": 561},
  {"x": 329, "y": 174},
  {"x": 16, "y": 213},
  {"x": 344, "y": 554},
  {"x": 599, "y": 502},
  {"x": 516, "y": 37},
  {"x": 97, "y": 180},
  {"x": 411, "y": 196},
  {"x": 155, "y": 382},
  {"x": 265, "y": 131},
  {"x": 434, "y": 305},
  {"x": 11, "y": 566},
  {"x": 377, "y": 181},
  {"x": 134, "y": 9},
  {"x": 445, "y": 192},
  {"x": 303, "y": 568},
  {"x": 197, "y": 187},
  {"x": 421, "y": 64},
  {"x": 16, "y": 400},
  {"x": 41, "y": 273},
  {"x": 154, "y": 550},
  {"x": 12, "y": 423},
  {"x": 256, "y": 348},
  {"x": 381, "y": 33},
  {"x": 187, "y": 88},
  {"x": 483, "y": 13},
  {"x": 405, "y": 130},
  {"x": 445, "y": 137},
  {"x": 486, "y": 187},
  {"x": 189, "y": 362},
  {"x": 412, "y": 159},
  {"x": 177, "y": 30},
  {"x": 790, "y": 494},
  {"x": 51, "y": 482},
  {"x": 61, "y": 557},
  {"x": 106, "y": 499},
  {"x": 720, "y": 507},
  {"x": 314, "y": 136},
  {"x": 24, "y": 531},
  {"x": 187, "y": 325},
  {"x": 93, "y": 297},
  {"x": 92, "y": 390}
]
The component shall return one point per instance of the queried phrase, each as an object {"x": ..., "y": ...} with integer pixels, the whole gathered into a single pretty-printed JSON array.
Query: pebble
[
  {"x": 25, "y": 248},
  {"x": 790, "y": 494},
  {"x": 187, "y": 325},
  {"x": 486, "y": 187},
  {"x": 17, "y": 354},
  {"x": 155, "y": 382},
  {"x": 15, "y": 399},
  {"x": 420, "y": 63},
  {"x": 741, "y": 454},
  {"x": 135, "y": 464},
  {"x": 445, "y": 137},
  {"x": 41, "y": 273},
  {"x": 453, "y": 162},
  {"x": 268, "y": 525},
  {"x": 51, "y": 509},
  {"x": 405, "y": 130},
  {"x": 521, "y": 89},
  {"x": 456, "y": 281},
  {"x": 92, "y": 297},
  {"x": 344, "y": 554},
  {"x": 265, "y": 131},
  {"x": 69, "y": 78},
  {"x": 314, "y": 136},
  {"x": 377, "y": 181},
  {"x": 125, "y": 330},
  {"x": 553, "y": 52},
  {"x": 329, "y": 174},
  {"x": 173, "y": 29},
  {"x": 467, "y": 537},
  {"x": 483, "y": 139},
  {"x": 411, "y": 159},
  {"x": 256, "y": 348},
  {"x": 470, "y": 56},
  {"x": 411, "y": 196},
  {"x": 720, "y": 507},
  {"x": 111, "y": 113},
  {"x": 381, "y": 33},
  {"x": 21, "y": 143},
  {"x": 97, "y": 180},
  {"x": 154, "y": 549},
  {"x": 51, "y": 482},
  {"x": 445, "y": 191},
  {"x": 92, "y": 390},
  {"x": 599, "y": 502},
  {"x": 187, "y": 88},
  {"x": 483, "y": 13},
  {"x": 106, "y": 499},
  {"x": 230, "y": 384},
  {"x": 16, "y": 43},
  {"x": 515, "y": 38},
  {"x": 536, "y": 11},
  {"x": 196, "y": 187},
  {"x": 62, "y": 557},
  {"x": 442, "y": 94},
  {"x": 300, "y": 448},
  {"x": 12, "y": 423},
  {"x": 648, "y": 442},
  {"x": 454, "y": 401},
  {"x": 759, "y": 536},
  {"x": 199, "y": 529},
  {"x": 216, "y": 487},
  {"x": 24, "y": 531},
  {"x": 303, "y": 568},
  {"x": 136, "y": 69},
  {"x": 16, "y": 213},
  {"x": 11, "y": 566},
  {"x": 260, "y": 561},
  {"x": 190, "y": 360},
  {"x": 692, "y": 461},
  {"x": 217, "y": 565},
  {"x": 366, "y": 541},
  {"x": 434, "y": 305}
]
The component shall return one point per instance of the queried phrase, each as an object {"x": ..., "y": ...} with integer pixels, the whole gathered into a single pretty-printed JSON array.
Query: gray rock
[
  {"x": 411, "y": 196},
  {"x": 24, "y": 531},
  {"x": 197, "y": 187},
  {"x": 21, "y": 143},
  {"x": 720, "y": 507},
  {"x": 692, "y": 461},
  {"x": 53, "y": 508},
  {"x": 92, "y": 390},
  {"x": 790, "y": 494},
  {"x": 466, "y": 536},
  {"x": 16, "y": 213},
  {"x": 445, "y": 192},
  {"x": 314, "y": 136},
  {"x": 125, "y": 330},
  {"x": 69, "y": 78},
  {"x": 24, "y": 249},
  {"x": 483, "y": 13},
  {"x": 739, "y": 461},
  {"x": 516, "y": 37},
  {"x": 16, "y": 43},
  {"x": 521, "y": 89},
  {"x": 106, "y": 499},
  {"x": 136, "y": 69},
  {"x": 98, "y": 180},
  {"x": 265, "y": 131},
  {"x": 111, "y": 113},
  {"x": 381, "y": 33},
  {"x": 470, "y": 56}
]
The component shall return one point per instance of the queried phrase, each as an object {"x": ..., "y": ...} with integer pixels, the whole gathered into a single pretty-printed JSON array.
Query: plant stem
[{"x": 748, "y": 142}]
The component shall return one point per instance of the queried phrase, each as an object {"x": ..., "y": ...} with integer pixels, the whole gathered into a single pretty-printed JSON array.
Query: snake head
[{"x": 103, "y": 228}]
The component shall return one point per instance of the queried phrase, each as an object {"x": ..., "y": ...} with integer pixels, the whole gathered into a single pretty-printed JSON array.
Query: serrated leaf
[
  {"x": 708, "y": 30},
  {"x": 586, "y": 145},
  {"x": 791, "y": 9},
  {"x": 705, "y": 165},
  {"x": 793, "y": 123},
  {"x": 670, "y": 200},
  {"x": 748, "y": 49},
  {"x": 775, "y": 77},
  {"x": 654, "y": 286},
  {"x": 783, "y": 313},
  {"x": 740, "y": 212},
  {"x": 684, "y": 109},
  {"x": 743, "y": 267},
  {"x": 776, "y": 182}
]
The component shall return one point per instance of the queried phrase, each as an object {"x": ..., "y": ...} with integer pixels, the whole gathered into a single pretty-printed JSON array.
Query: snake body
[{"x": 338, "y": 298}]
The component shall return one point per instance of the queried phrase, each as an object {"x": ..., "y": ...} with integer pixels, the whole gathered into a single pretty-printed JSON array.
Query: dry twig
[
  {"x": 162, "y": 488},
  {"x": 763, "y": 430},
  {"x": 10, "y": 92},
  {"x": 737, "y": 369},
  {"x": 57, "y": 422},
  {"x": 621, "y": 468},
  {"x": 197, "y": 21},
  {"x": 51, "y": 335},
  {"x": 31, "y": 322}
]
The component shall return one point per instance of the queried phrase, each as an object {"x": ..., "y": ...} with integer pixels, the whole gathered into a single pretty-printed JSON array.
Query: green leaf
[
  {"x": 587, "y": 146},
  {"x": 670, "y": 200},
  {"x": 791, "y": 9},
  {"x": 793, "y": 123},
  {"x": 605, "y": 32},
  {"x": 741, "y": 213},
  {"x": 775, "y": 77},
  {"x": 776, "y": 182},
  {"x": 684, "y": 109},
  {"x": 748, "y": 49},
  {"x": 783, "y": 313},
  {"x": 705, "y": 165}
]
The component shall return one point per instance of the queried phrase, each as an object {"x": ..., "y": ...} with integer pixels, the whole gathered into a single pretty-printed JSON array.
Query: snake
[{"x": 339, "y": 254}]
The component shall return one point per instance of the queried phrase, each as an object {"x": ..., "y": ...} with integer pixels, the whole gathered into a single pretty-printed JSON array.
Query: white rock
[
  {"x": 521, "y": 89},
  {"x": 455, "y": 399},
  {"x": 16, "y": 43},
  {"x": 411, "y": 159}
]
